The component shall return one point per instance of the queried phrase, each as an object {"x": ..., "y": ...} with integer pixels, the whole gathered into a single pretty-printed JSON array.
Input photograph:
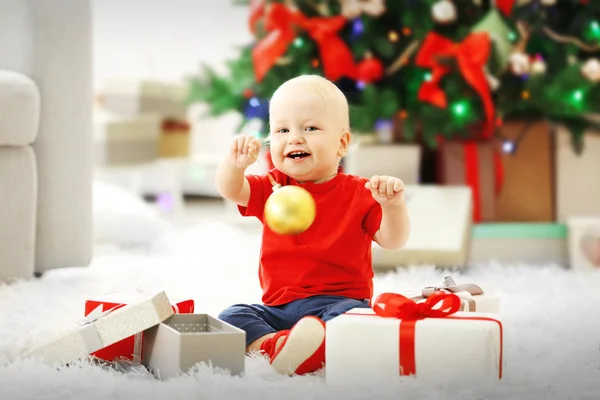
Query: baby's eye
[
  {"x": 282, "y": 130},
  {"x": 311, "y": 128}
]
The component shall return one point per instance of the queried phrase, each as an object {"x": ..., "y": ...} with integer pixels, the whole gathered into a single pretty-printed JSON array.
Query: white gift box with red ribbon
[{"x": 400, "y": 338}]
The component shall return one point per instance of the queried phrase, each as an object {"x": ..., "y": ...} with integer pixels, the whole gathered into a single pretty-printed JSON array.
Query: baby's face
[{"x": 307, "y": 137}]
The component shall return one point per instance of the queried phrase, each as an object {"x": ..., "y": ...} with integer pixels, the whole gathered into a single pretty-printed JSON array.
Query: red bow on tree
[
  {"x": 282, "y": 23},
  {"x": 505, "y": 6},
  {"x": 471, "y": 56}
]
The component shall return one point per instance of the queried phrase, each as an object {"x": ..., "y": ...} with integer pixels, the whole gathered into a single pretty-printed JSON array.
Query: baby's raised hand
[
  {"x": 386, "y": 190},
  {"x": 244, "y": 150}
]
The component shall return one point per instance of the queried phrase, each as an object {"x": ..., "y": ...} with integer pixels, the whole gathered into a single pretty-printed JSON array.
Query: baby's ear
[{"x": 344, "y": 143}]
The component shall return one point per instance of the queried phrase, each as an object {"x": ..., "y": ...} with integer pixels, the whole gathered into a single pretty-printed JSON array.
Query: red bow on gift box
[
  {"x": 282, "y": 23},
  {"x": 438, "y": 305},
  {"x": 471, "y": 56}
]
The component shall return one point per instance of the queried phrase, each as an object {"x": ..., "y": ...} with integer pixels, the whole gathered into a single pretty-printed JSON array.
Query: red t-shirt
[{"x": 333, "y": 256}]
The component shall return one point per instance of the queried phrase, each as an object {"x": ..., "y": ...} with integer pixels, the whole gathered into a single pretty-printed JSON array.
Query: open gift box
[
  {"x": 102, "y": 329},
  {"x": 172, "y": 347},
  {"x": 400, "y": 338},
  {"x": 182, "y": 341},
  {"x": 130, "y": 348}
]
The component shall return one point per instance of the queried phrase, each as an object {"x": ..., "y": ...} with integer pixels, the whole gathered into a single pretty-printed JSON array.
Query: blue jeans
[{"x": 258, "y": 320}]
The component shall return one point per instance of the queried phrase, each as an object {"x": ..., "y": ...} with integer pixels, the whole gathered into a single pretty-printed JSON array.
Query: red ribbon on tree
[
  {"x": 471, "y": 56},
  {"x": 282, "y": 24},
  {"x": 256, "y": 12},
  {"x": 505, "y": 6},
  {"x": 440, "y": 304}
]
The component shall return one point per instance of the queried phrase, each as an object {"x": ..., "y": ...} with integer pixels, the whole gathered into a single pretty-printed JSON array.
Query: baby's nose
[{"x": 296, "y": 139}]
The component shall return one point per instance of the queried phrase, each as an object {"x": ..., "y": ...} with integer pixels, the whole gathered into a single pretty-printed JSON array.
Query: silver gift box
[{"x": 182, "y": 341}]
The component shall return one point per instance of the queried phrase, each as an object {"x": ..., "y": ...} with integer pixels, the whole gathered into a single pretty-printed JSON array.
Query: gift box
[
  {"x": 120, "y": 141},
  {"x": 527, "y": 193},
  {"x": 584, "y": 243},
  {"x": 130, "y": 348},
  {"x": 174, "y": 139},
  {"x": 477, "y": 165},
  {"x": 472, "y": 297},
  {"x": 129, "y": 97},
  {"x": 183, "y": 341},
  {"x": 400, "y": 160},
  {"x": 576, "y": 195},
  {"x": 441, "y": 225},
  {"x": 101, "y": 329},
  {"x": 400, "y": 338}
]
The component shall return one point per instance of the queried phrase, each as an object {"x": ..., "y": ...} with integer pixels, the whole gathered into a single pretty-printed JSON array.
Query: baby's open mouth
[{"x": 297, "y": 154}]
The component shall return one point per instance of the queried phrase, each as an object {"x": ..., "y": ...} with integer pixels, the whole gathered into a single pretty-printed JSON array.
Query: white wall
[
  {"x": 164, "y": 39},
  {"x": 167, "y": 40}
]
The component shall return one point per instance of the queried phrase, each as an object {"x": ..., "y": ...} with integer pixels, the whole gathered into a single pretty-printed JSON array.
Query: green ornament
[{"x": 500, "y": 33}]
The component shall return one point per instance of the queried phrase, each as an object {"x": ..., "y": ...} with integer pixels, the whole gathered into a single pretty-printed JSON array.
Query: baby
[{"x": 313, "y": 277}]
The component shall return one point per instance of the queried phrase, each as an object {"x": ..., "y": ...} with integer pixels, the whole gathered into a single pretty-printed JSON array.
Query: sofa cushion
[{"x": 19, "y": 109}]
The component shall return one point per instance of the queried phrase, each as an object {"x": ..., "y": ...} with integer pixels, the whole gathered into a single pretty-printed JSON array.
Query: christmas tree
[{"x": 435, "y": 68}]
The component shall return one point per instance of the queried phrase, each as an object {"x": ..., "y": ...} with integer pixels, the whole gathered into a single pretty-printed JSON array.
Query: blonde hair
[{"x": 325, "y": 89}]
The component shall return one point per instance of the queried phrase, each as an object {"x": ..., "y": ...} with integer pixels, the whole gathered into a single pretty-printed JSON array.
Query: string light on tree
[
  {"x": 393, "y": 36},
  {"x": 591, "y": 70},
  {"x": 357, "y": 27},
  {"x": 548, "y": 3},
  {"x": 460, "y": 108},
  {"x": 577, "y": 96},
  {"x": 508, "y": 146},
  {"x": 254, "y": 102}
]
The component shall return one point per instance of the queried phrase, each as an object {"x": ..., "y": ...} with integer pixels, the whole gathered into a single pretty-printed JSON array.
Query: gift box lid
[
  {"x": 105, "y": 301},
  {"x": 103, "y": 328}
]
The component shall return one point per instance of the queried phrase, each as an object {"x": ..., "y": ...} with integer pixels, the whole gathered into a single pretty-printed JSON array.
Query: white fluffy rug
[{"x": 551, "y": 320}]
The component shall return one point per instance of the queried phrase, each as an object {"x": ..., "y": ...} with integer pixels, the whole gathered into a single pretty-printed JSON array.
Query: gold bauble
[{"x": 290, "y": 210}]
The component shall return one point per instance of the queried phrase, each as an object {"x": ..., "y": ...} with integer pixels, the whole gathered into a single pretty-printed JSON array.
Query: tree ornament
[
  {"x": 538, "y": 67},
  {"x": 355, "y": 8},
  {"x": 370, "y": 69},
  {"x": 519, "y": 63},
  {"x": 548, "y": 2},
  {"x": 493, "y": 23},
  {"x": 444, "y": 12},
  {"x": 591, "y": 70},
  {"x": 290, "y": 210}
]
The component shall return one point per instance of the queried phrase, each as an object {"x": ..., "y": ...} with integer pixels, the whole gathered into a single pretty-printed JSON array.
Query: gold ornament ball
[{"x": 290, "y": 210}]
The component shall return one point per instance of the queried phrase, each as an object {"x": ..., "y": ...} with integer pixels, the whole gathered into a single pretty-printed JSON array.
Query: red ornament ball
[{"x": 370, "y": 70}]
